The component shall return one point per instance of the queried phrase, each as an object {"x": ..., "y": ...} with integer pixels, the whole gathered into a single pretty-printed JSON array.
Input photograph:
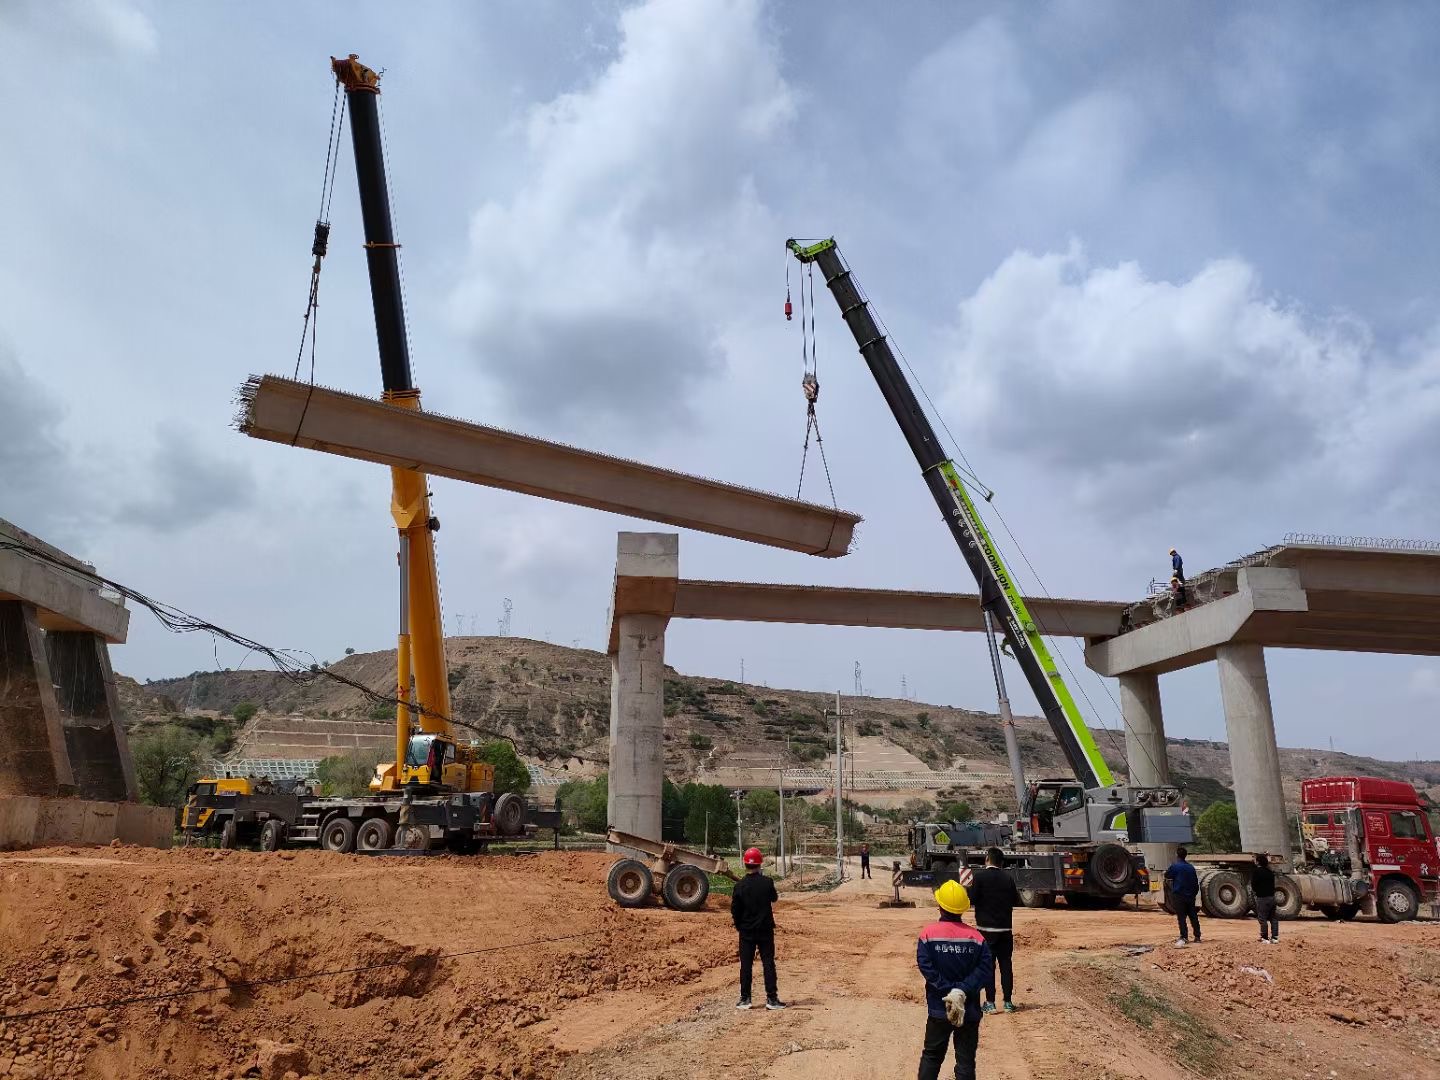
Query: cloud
[
  {"x": 186, "y": 484},
  {"x": 591, "y": 294},
  {"x": 37, "y": 479},
  {"x": 119, "y": 26},
  {"x": 1135, "y": 390}
]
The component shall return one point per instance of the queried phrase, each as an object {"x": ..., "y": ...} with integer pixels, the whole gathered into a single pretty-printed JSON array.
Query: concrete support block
[
  {"x": 637, "y": 717},
  {"x": 28, "y": 821},
  {"x": 1254, "y": 758},
  {"x": 90, "y": 713},
  {"x": 33, "y": 756},
  {"x": 1145, "y": 749}
]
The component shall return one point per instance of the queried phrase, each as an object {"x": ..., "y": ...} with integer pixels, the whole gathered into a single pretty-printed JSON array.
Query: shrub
[{"x": 244, "y": 711}]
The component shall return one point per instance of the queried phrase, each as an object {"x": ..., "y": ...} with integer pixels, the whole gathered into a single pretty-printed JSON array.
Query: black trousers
[
  {"x": 865, "y": 866},
  {"x": 940, "y": 1032},
  {"x": 1265, "y": 912},
  {"x": 765, "y": 943},
  {"x": 1185, "y": 909},
  {"x": 1002, "y": 951}
]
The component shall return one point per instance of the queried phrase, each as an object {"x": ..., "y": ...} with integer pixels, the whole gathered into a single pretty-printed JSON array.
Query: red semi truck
[{"x": 1366, "y": 848}]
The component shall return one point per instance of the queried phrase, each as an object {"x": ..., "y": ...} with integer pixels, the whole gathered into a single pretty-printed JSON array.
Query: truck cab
[{"x": 1382, "y": 825}]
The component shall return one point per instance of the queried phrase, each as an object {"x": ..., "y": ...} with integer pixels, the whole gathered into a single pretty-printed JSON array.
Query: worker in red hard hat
[{"x": 751, "y": 909}]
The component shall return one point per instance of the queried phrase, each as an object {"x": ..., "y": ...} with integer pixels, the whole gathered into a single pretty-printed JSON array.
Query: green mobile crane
[{"x": 1071, "y": 833}]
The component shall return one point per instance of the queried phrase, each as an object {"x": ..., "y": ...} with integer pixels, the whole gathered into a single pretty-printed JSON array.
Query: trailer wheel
[
  {"x": 686, "y": 888},
  {"x": 1224, "y": 896},
  {"x": 1111, "y": 870},
  {"x": 508, "y": 817},
  {"x": 413, "y": 838},
  {"x": 1034, "y": 898},
  {"x": 630, "y": 883},
  {"x": 374, "y": 834},
  {"x": 338, "y": 835},
  {"x": 229, "y": 834},
  {"x": 272, "y": 835},
  {"x": 1287, "y": 897},
  {"x": 1396, "y": 901}
]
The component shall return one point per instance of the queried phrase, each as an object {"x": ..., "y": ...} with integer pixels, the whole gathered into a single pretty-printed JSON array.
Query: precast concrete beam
[
  {"x": 1254, "y": 757},
  {"x": 55, "y": 586},
  {"x": 298, "y": 414}
]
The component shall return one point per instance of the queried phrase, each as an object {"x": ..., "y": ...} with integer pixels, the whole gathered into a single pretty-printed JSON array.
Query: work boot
[
  {"x": 743, "y": 1003},
  {"x": 1010, "y": 1006},
  {"x": 988, "y": 1007},
  {"x": 774, "y": 1004}
]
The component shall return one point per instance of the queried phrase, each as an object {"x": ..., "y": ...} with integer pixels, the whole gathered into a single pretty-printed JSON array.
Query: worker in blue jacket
[
  {"x": 1184, "y": 888},
  {"x": 958, "y": 968}
]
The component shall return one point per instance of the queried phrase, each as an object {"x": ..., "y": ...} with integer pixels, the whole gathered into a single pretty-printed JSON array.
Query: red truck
[{"x": 1366, "y": 848}]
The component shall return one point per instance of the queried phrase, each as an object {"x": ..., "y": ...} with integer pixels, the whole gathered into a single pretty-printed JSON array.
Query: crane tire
[
  {"x": 229, "y": 834},
  {"x": 374, "y": 834},
  {"x": 1111, "y": 870},
  {"x": 338, "y": 834},
  {"x": 508, "y": 817},
  {"x": 1034, "y": 898},
  {"x": 272, "y": 835},
  {"x": 1287, "y": 897},
  {"x": 685, "y": 888},
  {"x": 1224, "y": 895},
  {"x": 413, "y": 838},
  {"x": 630, "y": 883}
]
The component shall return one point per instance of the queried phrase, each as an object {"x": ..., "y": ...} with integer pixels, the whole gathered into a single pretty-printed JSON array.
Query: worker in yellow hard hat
[
  {"x": 956, "y": 964},
  {"x": 1177, "y": 565}
]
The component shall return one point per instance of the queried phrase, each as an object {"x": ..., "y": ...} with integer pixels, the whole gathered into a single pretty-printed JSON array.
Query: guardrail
[{"x": 1373, "y": 543}]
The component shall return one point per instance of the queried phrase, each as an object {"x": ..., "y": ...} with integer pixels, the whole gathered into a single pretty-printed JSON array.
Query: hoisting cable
[
  {"x": 319, "y": 245},
  {"x": 810, "y": 382}
]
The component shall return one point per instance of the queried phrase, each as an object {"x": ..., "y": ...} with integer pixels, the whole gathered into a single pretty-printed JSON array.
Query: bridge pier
[
  {"x": 1254, "y": 757},
  {"x": 1145, "y": 749}
]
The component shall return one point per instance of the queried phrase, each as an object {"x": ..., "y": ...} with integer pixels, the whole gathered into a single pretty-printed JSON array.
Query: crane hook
[{"x": 789, "y": 311}]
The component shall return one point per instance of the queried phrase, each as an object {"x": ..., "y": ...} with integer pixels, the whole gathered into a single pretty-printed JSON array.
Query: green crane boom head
[{"x": 807, "y": 252}]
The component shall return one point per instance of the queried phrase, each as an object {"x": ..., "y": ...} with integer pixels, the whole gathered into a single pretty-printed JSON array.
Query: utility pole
[
  {"x": 1007, "y": 719},
  {"x": 707, "y": 832},
  {"x": 742, "y": 671},
  {"x": 839, "y": 780},
  {"x": 739, "y": 831},
  {"x": 782, "y": 817}
]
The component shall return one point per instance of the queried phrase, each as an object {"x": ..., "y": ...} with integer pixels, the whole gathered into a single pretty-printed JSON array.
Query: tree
[
  {"x": 511, "y": 774},
  {"x": 347, "y": 775},
  {"x": 585, "y": 803},
  {"x": 958, "y": 810},
  {"x": 244, "y": 711},
  {"x": 349, "y": 652},
  {"x": 712, "y": 800},
  {"x": 167, "y": 762},
  {"x": 1218, "y": 828},
  {"x": 672, "y": 812}
]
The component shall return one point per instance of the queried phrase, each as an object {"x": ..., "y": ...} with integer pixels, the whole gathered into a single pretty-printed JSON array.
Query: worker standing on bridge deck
[
  {"x": 995, "y": 897},
  {"x": 751, "y": 910},
  {"x": 1177, "y": 565},
  {"x": 956, "y": 964}
]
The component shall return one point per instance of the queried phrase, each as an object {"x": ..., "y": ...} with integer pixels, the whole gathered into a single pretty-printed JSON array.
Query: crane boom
[{"x": 999, "y": 595}]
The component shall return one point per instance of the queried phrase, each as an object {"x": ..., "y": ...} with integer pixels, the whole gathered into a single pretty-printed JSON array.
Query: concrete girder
[
  {"x": 297, "y": 414},
  {"x": 62, "y": 600}
]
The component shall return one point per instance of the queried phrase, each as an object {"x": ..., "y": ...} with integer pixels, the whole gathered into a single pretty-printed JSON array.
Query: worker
[
  {"x": 752, "y": 913},
  {"x": 1178, "y": 593},
  {"x": 1262, "y": 886},
  {"x": 1177, "y": 565},
  {"x": 956, "y": 964},
  {"x": 864, "y": 860},
  {"x": 995, "y": 897},
  {"x": 1184, "y": 888}
]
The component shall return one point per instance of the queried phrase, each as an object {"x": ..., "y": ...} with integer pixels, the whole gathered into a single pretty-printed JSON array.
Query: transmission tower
[
  {"x": 904, "y": 689},
  {"x": 859, "y": 682},
  {"x": 504, "y": 623}
]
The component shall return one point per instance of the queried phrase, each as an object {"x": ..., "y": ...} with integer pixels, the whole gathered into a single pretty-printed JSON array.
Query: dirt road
[{"x": 454, "y": 969}]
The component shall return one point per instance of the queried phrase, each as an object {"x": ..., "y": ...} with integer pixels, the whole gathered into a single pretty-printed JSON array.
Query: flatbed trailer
[{"x": 679, "y": 877}]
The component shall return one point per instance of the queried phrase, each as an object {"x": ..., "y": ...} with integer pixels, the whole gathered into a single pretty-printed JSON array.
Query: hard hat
[
  {"x": 953, "y": 898},
  {"x": 1172, "y": 551},
  {"x": 752, "y": 857}
]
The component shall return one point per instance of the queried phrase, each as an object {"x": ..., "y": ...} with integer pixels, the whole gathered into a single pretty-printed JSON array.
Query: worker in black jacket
[
  {"x": 995, "y": 898},
  {"x": 1262, "y": 886},
  {"x": 751, "y": 911}
]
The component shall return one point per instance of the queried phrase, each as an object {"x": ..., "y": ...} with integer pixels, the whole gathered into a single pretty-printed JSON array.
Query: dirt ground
[{"x": 552, "y": 980}]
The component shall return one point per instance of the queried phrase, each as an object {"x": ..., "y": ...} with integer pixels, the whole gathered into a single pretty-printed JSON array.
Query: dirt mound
[{"x": 357, "y": 967}]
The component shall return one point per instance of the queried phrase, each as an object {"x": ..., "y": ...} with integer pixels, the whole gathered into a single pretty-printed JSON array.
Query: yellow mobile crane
[{"x": 437, "y": 792}]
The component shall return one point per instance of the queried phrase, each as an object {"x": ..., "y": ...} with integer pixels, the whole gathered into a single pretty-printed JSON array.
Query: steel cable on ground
[{"x": 277, "y": 980}]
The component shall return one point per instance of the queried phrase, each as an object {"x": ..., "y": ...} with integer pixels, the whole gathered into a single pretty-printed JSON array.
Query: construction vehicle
[
  {"x": 1073, "y": 830},
  {"x": 1366, "y": 848},
  {"x": 678, "y": 876},
  {"x": 437, "y": 791}
]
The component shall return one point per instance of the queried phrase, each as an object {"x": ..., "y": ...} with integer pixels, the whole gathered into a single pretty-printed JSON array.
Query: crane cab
[{"x": 435, "y": 760}]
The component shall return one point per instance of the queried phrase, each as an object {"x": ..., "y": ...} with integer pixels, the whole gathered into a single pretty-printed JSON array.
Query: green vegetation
[
  {"x": 511, "y": 774},
  {"x": 957, "y": 811},
  {"x": 1195, "y": 1042},
  {"x": 698, "y": 800},
  {"x": 349, "y": 774},
  {"x": 700, "y": 742},
  {"x": 585, "y": 804},
  {"x": 1202, "y": 792},
  {"x": 382, "y": 711},
  {"x": 167, "y": 762},
  {"x": 868, "y": 728},
  {"x": 1218, "y": 828},
  {"x": 244, "y": 711}
]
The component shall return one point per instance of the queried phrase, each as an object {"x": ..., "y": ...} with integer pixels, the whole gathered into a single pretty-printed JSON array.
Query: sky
[{"x": 1168, "y": 274}]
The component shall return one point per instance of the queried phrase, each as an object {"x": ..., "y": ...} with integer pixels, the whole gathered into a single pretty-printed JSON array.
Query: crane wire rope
[
  {"x": 810, "y": 382},
  {"x": 988, "y": 495}
]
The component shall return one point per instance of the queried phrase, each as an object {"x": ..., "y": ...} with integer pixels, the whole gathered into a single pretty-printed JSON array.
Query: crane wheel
[
  {"x": 229, "y": 834},
  {"x": 508, "y": 817},
  {"x": 1223, "y": 895},
  {"x": 685, "y": 888},
  {"x": 1287, "y": 897},
  {"x": 374, "y": 834},
  {"x": 338, "y": 835},
  {"x": 1034, "y": 898},
  {"x": 630, "y": 883},
  {"x": 272, "y": 835},
  {"x": 413, "y": 838},
  {"x": 1110, "y": 871}
]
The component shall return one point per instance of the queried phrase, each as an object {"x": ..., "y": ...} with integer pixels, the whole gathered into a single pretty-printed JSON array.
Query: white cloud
[
  {"x": 592, "y": 293},
  {"x": 121, "y": 23},
  {"x": 119, "y": 26}
]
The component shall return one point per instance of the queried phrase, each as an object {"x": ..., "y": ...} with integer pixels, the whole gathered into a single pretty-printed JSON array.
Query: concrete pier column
[
  {"x": 647, "y": 568},
  {"x": 1254, "y": 758},
  {"x": 1145, "y": 749},
  {"x": 90, "y": 714},
  {"x": 33, "y": 757}
]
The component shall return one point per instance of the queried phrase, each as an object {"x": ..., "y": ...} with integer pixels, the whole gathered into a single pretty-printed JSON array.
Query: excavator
[
  {"x": 437, "y": 792},
  {"x": 1072, "y": 832}
]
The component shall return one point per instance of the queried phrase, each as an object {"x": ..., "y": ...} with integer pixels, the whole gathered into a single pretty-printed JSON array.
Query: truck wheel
[
  {"x": 1111, "y": 870},
  {"x": 1287, "y": 897},
  {"x": 1034, "y": 898},
  {"x": 508, "y": 817},
  {"x": 272, "y": 835},
  {"x": 1224, "y": 896},
  {"x": 686, "y": 888},
  {"x": 374, "y": 834},
  {"x": 413, "y": 838},
  {"x": 229, "y": 834},
  {"x": 1396, "y": 901},
  {"x": 338, "y": 835},
  {"x": 630, "y": 883}
]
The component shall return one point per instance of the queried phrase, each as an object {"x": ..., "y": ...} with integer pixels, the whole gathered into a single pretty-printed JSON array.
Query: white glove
[{"x": 955, "y": 1007}]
